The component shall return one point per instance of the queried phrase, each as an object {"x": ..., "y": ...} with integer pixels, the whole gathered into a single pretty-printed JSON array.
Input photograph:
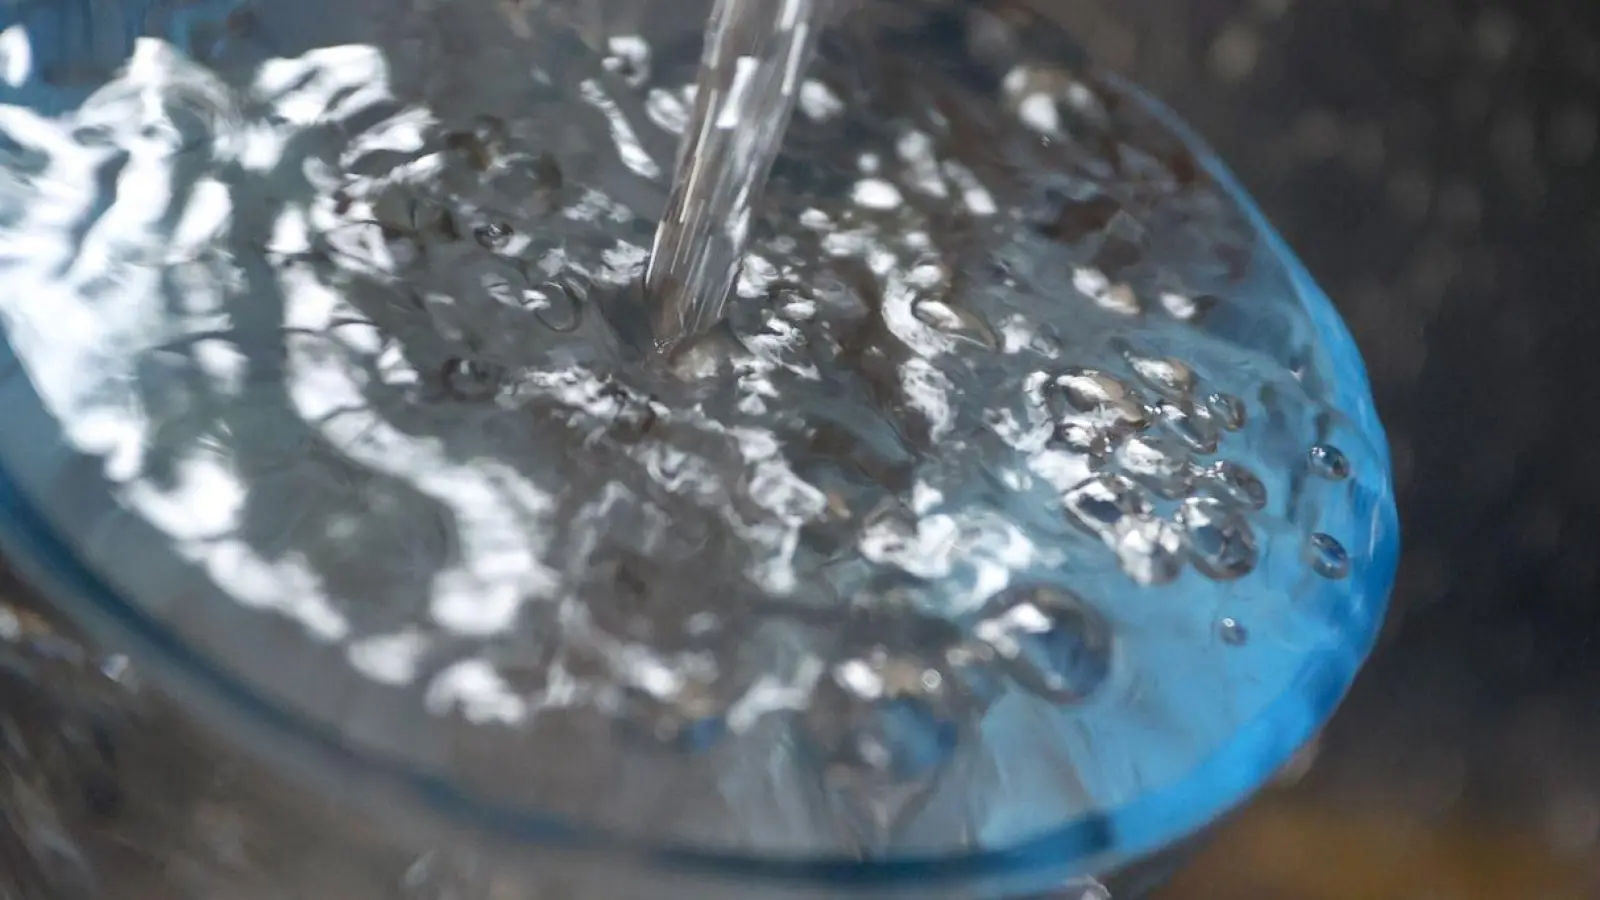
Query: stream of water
[{"x": 755, "y": 59}]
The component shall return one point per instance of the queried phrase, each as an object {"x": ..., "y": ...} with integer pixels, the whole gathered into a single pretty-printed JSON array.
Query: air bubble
[
  {"x": 558, "y": 305},
  {"x": 1049, "y": 641},
  {"x": 1149, "y": 550},
  {"x": 1157, "y": 464},
  {"x": 1170, "y": 378},
  {"x": 629, "y": 59},
  {"x": 1327, "y": 556},
  {"x": 1192, "y": 425},
  {"x": 505, "y": 284},
  {"x": 1236, "y": 483},
  {"x": 1329, "y": 462},
  {"x": 1102, "y": 503},
  {"x": 1220, "y": 542},
  {"x": 1081, "y": 437},
  {"x": 1117, "y": 511},
  {"x": 1233, "y": 632},
  {"x": 958, "y": 323},
  {"x": 1228, "y": 410},
  {"x": 1093, "y": 411},
  {"x": 494, "y": 236},
  {"x": 1090, "y": 390}
]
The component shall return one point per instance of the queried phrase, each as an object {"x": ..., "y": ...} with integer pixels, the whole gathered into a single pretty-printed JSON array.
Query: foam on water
[{"x": 1026, "y": 474}]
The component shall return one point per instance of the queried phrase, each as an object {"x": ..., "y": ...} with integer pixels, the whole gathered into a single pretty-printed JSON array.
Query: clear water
[
  {"x": 1028, "y": 480},
  {"x": 755, "y": 60}
]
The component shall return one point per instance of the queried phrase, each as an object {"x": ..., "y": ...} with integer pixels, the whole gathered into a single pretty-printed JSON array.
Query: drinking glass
[{"x": 1027, "y": 514}]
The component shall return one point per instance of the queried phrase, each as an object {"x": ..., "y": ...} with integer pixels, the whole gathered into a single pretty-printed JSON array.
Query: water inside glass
[{"x": 1026, "y": 509}]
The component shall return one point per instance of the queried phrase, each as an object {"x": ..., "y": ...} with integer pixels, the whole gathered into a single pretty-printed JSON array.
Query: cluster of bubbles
[{"x": 1156, "y": 436}]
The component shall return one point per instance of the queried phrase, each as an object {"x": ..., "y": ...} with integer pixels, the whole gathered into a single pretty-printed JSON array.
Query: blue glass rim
[{"x": 1096, "y": 843}]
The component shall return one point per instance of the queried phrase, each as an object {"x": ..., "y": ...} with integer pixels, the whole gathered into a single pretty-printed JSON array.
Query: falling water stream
[{"x": 756, "y": 55}]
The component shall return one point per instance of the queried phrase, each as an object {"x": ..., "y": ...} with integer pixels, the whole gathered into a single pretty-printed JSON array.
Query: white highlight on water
[{"x": 16, "y": 56}]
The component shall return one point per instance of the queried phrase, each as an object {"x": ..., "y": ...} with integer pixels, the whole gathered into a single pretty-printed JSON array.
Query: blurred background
[{"x": 1434, "y": 162}]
